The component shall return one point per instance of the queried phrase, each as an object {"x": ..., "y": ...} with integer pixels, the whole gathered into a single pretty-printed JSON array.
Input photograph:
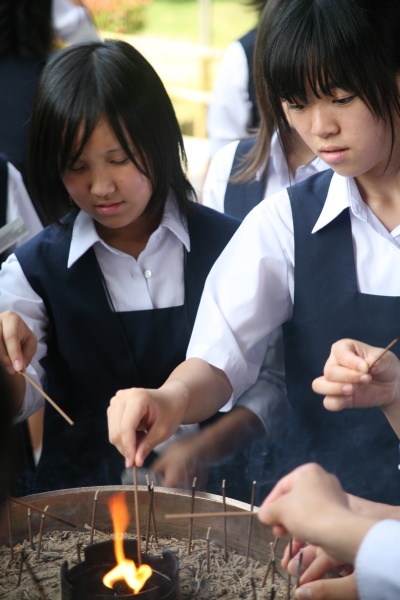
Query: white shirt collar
[
  {"x": 343, "y": 193},
  {"x": 84, "y": 234}
]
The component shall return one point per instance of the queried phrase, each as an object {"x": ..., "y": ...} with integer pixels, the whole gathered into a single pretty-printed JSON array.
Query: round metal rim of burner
[
  {"x": 76, "y": 505},
  {"x": 84, "y": 580}
]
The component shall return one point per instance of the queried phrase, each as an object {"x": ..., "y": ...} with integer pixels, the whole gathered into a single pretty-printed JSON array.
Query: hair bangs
[{"x": 318, "y": 46}]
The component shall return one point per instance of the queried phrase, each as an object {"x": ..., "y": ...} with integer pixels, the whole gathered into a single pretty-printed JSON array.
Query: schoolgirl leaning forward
[
  {"x": 320, "y": 258},
  {"x": 111, "y": 287}
]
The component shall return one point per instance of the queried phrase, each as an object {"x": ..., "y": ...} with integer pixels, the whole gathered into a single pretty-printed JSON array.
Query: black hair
[
  {"x": 110, "y": 79},
  {"x": 26, "y": 28},
  {"x": 325, "y": 44}
]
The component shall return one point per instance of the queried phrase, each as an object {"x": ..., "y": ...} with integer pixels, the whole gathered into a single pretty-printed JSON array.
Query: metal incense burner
[{"x": 76, "y": 507}]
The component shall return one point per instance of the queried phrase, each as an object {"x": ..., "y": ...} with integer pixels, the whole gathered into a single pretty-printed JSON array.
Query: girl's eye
[
  {"x": 120, "y": 162},
  {"x": 344, "y": 100},
  {"x": 74, "y": 168},
  {"x": 296, "y": 107}
]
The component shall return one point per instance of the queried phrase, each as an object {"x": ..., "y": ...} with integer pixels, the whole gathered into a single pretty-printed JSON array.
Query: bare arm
[
  {"x": 193, "y": 392},
  {"x": 193, "y": 456},
  {"x": 310, "y": 504}
]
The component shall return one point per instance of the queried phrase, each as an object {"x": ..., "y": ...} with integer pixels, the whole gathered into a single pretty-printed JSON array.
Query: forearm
[
  {"x": 200, "y": 388},
  {"x": 341, "y": 534},
  {"x": 229, "y": 434},
  {"x": 374, "y": 510}
]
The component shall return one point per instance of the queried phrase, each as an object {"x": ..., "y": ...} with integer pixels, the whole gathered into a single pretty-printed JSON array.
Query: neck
[
  {"x": 382, "y": 194},
  {"x": 297, "y": 152},
  {"x": 133, "y": 238}
]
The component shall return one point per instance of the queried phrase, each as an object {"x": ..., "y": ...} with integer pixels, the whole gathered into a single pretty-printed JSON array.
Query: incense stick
[
  {"x": 190, "y": 517},
  {"x": 39, "y": 389},
  {"x": 42, "y": 512},
  {"x": 30, "y": 528},
  {"x": 41, "y": 532},
  {"x": 289, "y": 577},
  {"x": 208, "y": 549},
  {"x": 139, "y": 543},
  {"x": 206, "y": 515},
  {"x": 253, "y": 490},
  {"x": 392, "y": 343},
  {"x": 21, "y": 565},
  {"x": 300, "y": 566},
  {"x": 225, "y": 528},
  {"x": 93, "y": 516},
  {"x": 10, "y": 532},
  {"x": 270, "y": 560}
]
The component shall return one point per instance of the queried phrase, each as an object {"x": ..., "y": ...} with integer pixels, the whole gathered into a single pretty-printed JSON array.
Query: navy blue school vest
[
  {"x": 248, "y": 42},
  {"x": 241, "y": 197},
  {"x": 359, "y": 446},
  {"x": 3, "y": 189},
  {"x": 93, "y": 352}
]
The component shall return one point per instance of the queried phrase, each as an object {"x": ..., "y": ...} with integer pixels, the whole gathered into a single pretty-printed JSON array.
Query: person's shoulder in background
[{"x": 72, "y": 22}]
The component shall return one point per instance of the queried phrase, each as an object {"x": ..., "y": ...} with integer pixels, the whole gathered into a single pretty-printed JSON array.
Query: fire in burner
[
  {"x": 109, "y": 568},
  {"x": 84, "y": 581}
]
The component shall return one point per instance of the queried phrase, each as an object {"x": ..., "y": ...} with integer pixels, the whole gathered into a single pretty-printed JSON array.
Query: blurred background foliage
[{"x": 173, "y": 19}]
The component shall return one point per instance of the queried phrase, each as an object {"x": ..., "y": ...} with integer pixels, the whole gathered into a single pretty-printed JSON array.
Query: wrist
[{"x": 340, "y": 534}]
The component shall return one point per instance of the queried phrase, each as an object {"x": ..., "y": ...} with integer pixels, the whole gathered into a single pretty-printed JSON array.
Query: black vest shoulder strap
[
  {"x": 3, "y": 189},
  {"x": 248, "y": 42},
  {"x": 241, "y": 197}
]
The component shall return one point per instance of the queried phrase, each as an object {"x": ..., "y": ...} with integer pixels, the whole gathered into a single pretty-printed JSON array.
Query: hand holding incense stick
[
  {"x": 54, "y": 405},
  {"x": 392, "y": 343}
]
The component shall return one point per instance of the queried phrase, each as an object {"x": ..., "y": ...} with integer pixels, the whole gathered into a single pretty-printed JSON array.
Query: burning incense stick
[
  {"x": 289, "y": 577},
  {"x": 190, "y": 517},
  {"x": 139, "y": 548},
  {"x": 30, "y": 528},
  {"x": 39, "y": 389},
  {"x": 41, "y": 532},
  {"x": 21, "y": 565},
  {"x": 153, "y": 514},
  {"x": 93, "y": 516},
  {"x": 392, "y": 343},
  {"x": 253, "y": 491},
  {"x": 225, "y": 524},
  {"x": 42, "y": 512},
  {"x": 10, "y": 530},
  {"x": 208, "y": 549},
  {"x": 206, "y": 515},
  {"x": 299, "y": 567},
  {"x": 270, "y": 560}
]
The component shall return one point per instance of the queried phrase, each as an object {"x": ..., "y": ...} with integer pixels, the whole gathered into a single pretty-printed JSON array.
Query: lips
[
  {"x": 109, "y": 209},
  {"x": 333, "y": 155}
]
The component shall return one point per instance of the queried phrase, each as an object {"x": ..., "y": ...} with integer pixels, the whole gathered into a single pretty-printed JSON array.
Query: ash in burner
[{"x": 85, "y": 580}]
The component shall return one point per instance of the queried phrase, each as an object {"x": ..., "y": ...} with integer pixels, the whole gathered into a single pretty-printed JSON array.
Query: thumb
[{"x": 341, "y": 588}]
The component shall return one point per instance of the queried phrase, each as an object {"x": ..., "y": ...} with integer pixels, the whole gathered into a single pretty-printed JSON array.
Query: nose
[
  {"x": 323, "y": 122},
  {"x": 101, "y": 184}
]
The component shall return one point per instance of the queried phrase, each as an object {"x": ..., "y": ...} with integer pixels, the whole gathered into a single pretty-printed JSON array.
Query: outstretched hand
[
  {"x": 311, "y": 505},
  {"x": 348, "y": 381},
  {"x": 139, "y": 419},
  {"x": 18, "y": 344}
]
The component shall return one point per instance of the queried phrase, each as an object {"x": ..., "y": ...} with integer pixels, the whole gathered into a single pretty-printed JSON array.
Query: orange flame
[{"x": 125, "y": 568}]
